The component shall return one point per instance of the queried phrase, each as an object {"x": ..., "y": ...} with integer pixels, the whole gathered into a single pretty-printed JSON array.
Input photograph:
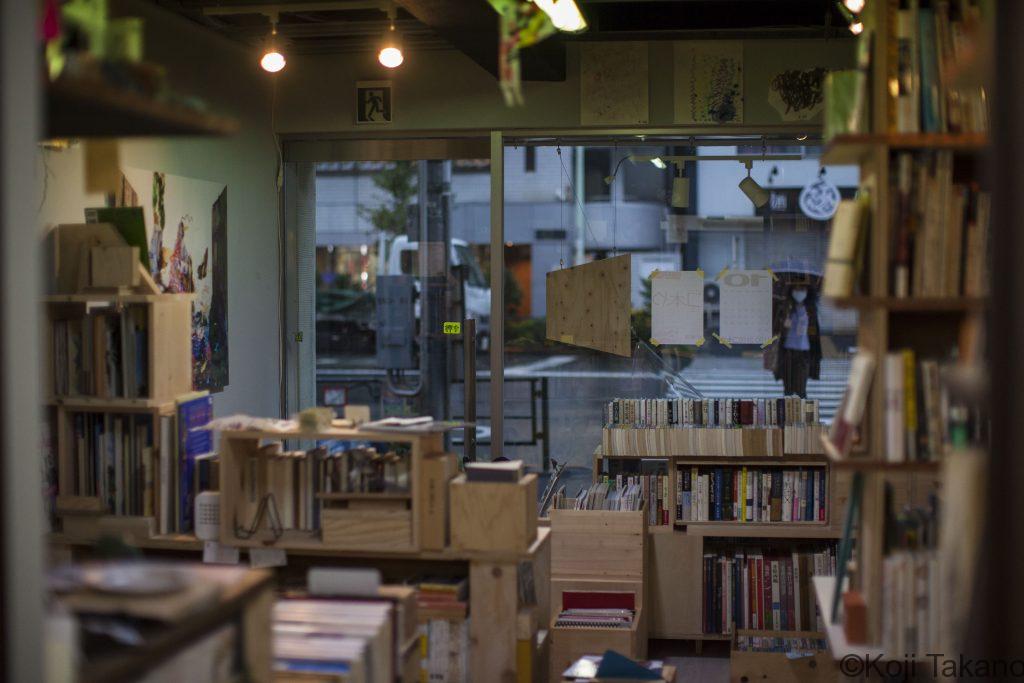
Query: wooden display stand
[
  {"x": 598, "y": 551},
  {"x": 95, "y": 269},
  {"x": 361, "y": 521}
]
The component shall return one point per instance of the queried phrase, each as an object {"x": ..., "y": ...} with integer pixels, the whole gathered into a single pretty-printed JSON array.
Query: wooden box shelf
[
  {"x": 778, "y": 667},
  {"x": 493, "y": 516}
]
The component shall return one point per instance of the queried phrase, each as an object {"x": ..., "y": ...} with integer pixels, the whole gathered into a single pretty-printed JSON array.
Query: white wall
[{"x": 228, "y": 78}]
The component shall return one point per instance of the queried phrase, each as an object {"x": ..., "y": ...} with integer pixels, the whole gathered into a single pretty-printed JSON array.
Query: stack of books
[
  {"x": 764, "y": 589},
  {"x": 751, "y": 494},
  {"x": 940, "y": 229},
  {"x": 363, "y": 470},
  {"x": 334, "y": 639},
  {"x": 594, "y": 617}
]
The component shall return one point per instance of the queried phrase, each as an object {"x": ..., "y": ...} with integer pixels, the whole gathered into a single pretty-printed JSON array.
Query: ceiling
[{"x": 471, "y": 26}]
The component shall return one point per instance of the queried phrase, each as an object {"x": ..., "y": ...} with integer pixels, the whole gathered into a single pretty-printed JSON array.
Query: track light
[
  {"x": 272, "y": 60},
  {"x": 755, "y": 193},
  {"x": 680, "y": 189},
  {"x": 564, "y": 14},
  {"x": 390, "y": 54},
  {"x": 658, "y": 163}
]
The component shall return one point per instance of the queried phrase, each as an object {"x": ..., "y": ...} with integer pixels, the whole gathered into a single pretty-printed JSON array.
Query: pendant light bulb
[
  {"x": 390, "y": 54},
  {"x": 272, "y": 60},
  {"x": 855, "y": 6}
]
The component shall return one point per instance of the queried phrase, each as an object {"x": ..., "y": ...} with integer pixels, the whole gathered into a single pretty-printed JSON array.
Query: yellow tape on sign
[{"x": 452, "y": 328}]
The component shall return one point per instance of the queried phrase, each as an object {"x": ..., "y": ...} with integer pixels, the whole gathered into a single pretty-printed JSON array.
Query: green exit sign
[{"x": 452, "y": 328}]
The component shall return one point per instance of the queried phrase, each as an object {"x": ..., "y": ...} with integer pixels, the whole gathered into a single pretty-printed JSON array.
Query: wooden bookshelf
[
  {"x": 677, "y": 549},
  {"x": 782, "y": 530},
  {"x": 855, "y": 148},
  {"x": 931, "y": 327},
  {"x": 913, "y": 304},
  {"x": 92, "y": 107},
  {"x": 824, "y": 589}
]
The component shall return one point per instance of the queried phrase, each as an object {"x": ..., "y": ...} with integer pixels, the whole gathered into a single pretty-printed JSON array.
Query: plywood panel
[
  {"x": 493, "y": 596},
  {"x": 589, "y": 305},
  {"x": 674, "y": 578}
]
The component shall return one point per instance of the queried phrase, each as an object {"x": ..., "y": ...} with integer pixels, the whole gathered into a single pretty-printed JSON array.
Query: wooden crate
[
  {"x": 606, "y": 545},
  {"x": 367, "y": 528},
  {"x": 569, "y": 644},
  {"x": 777, "y": 667},
  {"x": 492, "y": 516}
]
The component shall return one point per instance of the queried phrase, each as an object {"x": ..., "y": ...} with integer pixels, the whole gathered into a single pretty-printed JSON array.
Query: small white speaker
[{"x": 207, "y": 516}]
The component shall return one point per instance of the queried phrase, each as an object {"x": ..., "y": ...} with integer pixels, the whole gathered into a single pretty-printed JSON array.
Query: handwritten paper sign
[
  {"x": 745, "y": 306},
  {"x": 677, "y": 307}
]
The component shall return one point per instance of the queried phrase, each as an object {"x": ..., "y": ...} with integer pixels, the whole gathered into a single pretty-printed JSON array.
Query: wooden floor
[{"x": 711, "y": 666}]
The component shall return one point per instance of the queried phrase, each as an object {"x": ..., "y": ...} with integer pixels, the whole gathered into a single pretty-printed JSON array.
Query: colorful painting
[
  {"x": 186, "y": 229},
  {"x": 709, "y": 82}
]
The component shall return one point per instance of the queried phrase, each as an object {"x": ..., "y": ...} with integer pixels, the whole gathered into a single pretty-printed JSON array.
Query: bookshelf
[
  {"x": 913, "y": 182},
  {"x": 116, "y": 362},
  {"x": 676, "y": 551}
]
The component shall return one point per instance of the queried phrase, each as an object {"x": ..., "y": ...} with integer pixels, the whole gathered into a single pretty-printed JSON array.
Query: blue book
[
  {"x": 931, "y": 120},
  {"x": 194, "y": 410},
  {"x": 718, "y": 494}
]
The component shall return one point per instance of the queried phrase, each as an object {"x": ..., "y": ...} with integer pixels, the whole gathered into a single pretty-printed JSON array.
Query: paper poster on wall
[
  {"x": 745, "y": 308},
  {"x": 613, "y": 83},
  {"x": 186, "y": 230},
  {"x": 709, "y": 81},
  {"x": 798, "y": 94},
  {"x": 677, "y": 307}
]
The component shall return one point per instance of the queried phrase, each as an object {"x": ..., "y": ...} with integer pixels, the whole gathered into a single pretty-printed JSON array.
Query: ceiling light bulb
[
  {"x": 658, "y": 163},
  {"x": 564, "y": 14},
  {"x": 855, "y": 6},
  {"x": 856, "y": 28},
  {"x": 272, "y": 61},
  {"x": 390, "y": 54}
]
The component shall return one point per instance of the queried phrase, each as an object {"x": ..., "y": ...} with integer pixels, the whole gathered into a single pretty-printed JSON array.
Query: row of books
[
  {"x": 441, "y": 608},
  {"x": 652, "y": 476},
  {"x": 786, "y": 644},
  {"x": 920, "y": 419},
  {"x": 288, "y": 476},
  {"x": 940, "y": 228},
  {"x": 912, "y": 593},
  {"x": 365, "y": 470},
  {"x": 733, "y": 442},
  {"x": 103, "y": 354},
  {"x": 754, "y": 494},
  {"x": 141, "y": 465},
  {"x": 764, "y": 589},
  {"x": 623, "y": 492},
  {"x": 929, "y": 40},
  {"x": 647, "y": 413},
  {"x": 114, "y": 460}
]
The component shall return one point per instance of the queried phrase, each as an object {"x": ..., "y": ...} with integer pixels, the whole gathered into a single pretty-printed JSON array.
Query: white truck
[{"x": 403, "y": 259}]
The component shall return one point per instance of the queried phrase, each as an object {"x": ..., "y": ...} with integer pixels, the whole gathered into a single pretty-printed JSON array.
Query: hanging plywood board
[{"x": 588, "y": 305}]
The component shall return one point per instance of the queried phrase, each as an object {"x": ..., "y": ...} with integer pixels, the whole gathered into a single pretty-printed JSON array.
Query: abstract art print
[
  {"x": 186, "y": 230},
  {"x": 798, "y": 94},
  {"x": 709, "y": 82},
  {"x": 613, "y": 83}
]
